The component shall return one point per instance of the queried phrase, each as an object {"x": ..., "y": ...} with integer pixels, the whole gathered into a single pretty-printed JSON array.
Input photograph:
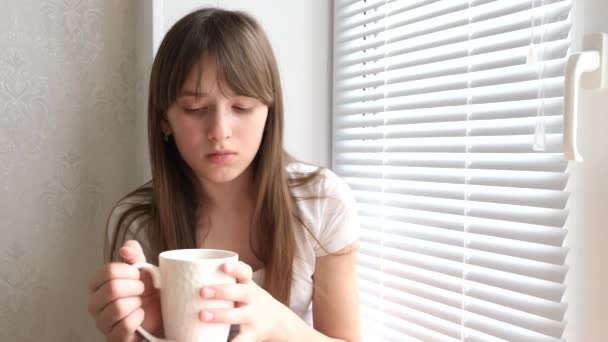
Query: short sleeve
[{"x": 339, "y": 223}]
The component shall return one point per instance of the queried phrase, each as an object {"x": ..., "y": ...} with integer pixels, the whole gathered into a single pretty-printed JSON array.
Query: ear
[{"x": 165, "y": 127}]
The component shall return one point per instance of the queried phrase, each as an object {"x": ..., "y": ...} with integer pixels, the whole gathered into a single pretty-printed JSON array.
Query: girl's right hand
[{"x": 121, "y": 298}]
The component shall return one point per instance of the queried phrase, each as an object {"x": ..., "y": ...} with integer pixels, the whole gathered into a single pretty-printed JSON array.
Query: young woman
[{"x": 221, "y": 179}]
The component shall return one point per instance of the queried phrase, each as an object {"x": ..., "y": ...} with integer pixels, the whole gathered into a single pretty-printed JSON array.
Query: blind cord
[
  {"x": 540, "y": 136},
  {"x": 463, "y": 334},
  {"x": 384, "y": 121}
]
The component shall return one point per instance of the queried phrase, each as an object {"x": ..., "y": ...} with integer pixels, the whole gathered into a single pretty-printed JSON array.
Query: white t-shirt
[{"x": 332, "y": 219}]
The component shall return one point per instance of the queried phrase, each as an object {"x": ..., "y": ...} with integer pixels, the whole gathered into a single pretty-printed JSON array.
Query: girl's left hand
[{"x": 260, "y": 316}]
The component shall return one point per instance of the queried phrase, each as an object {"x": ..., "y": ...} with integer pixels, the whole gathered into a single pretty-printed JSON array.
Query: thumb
[{"x": 131, "y": 252}]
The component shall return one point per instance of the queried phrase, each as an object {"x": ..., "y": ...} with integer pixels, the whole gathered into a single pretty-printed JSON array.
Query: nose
[{"x": 220, "y": 124}]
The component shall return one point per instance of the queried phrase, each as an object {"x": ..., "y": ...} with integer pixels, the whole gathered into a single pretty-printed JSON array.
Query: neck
[{"x": 234, "y": 196}]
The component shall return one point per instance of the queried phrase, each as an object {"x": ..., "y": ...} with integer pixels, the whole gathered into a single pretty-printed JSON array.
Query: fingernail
[
  {"x": 206, "y": 316},
  {"x": 208, "y": 292}
]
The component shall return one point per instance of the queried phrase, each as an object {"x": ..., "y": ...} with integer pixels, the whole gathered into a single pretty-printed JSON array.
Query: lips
[{"x": 221, "y": 156}]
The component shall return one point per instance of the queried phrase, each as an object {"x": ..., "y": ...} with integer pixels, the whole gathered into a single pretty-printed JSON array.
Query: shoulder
[
  {"x": 326, "y": 206},
  {"x": 128, "y": 218},
  {"x": 325, "y": 184},
  {"x": 127, "y": 205}
]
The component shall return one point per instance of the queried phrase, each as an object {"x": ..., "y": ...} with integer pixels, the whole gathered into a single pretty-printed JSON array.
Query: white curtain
[
  {"x": 448, "y": 127},
  {"x": 72, "y": 90}
]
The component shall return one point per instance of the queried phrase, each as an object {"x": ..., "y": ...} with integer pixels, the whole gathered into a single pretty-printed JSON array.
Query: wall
[
  {"x": 587, "y": 225},
  {"x": 300, "y": 33},
  {"x": 71, "y": 98},
  {"x": 73, "y": 78},
  {"x": 73, "y": 88}
]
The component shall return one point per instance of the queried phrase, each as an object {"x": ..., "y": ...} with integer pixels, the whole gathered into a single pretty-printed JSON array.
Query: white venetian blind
[{"x": 435, "y": 114}]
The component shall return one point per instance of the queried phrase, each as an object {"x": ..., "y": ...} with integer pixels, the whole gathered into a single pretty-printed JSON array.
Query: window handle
[{"x": 589, "y": 69}]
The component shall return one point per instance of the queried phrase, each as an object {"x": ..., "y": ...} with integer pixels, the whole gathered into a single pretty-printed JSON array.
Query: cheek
[
  {"x": 261, "y": 127},
  {"x": 258, "y": 132},
  {"x": 250, "y": 134},
  {"x": 188, "y": 137},
  {"x": 261, "y": 122},
  {"x": 187, "y": 128}
]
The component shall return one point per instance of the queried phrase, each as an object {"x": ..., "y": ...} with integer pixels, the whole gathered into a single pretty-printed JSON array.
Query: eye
[
  {"x": 195, "y": 110},
  {"x": 242, "y": 109}
]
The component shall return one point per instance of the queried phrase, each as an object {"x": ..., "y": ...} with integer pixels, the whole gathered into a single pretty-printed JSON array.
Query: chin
[{"x": 221, "y": 176}]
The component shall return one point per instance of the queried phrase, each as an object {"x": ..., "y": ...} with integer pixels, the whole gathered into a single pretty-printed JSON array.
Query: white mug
[{"x": 180, "y": 276}]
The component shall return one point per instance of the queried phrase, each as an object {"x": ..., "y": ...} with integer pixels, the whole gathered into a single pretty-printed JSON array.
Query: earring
[{"x": 166, "y": 136}]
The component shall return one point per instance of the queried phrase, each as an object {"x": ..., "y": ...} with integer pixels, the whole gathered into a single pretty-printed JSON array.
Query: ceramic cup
[{"x": 180, "y": 276}]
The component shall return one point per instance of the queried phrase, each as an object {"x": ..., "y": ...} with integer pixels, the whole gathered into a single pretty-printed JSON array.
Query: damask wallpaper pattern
[{"x": 72, "y": 125}]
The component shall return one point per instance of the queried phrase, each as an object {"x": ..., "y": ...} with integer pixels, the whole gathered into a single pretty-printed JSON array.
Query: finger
[
  {"x": 114, "y": 270},
  {"x": 234, "y": 292},
  {"x": 124, "y": 330},
  {"x": 131, "y": 252},
  {"x": 226, "y": 316},
  {"x": 245, "y": 336},
  {"x": 115, "y": 312},
  {"x": 113, "y": 290},
  {"x": 240, "y": 270}
]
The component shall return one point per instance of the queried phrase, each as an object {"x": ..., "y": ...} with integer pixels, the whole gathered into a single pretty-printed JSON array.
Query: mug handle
[{"x": 155, "y": 272}]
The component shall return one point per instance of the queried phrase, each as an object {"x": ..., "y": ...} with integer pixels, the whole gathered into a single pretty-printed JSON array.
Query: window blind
[{"x": 450, "y": 136}]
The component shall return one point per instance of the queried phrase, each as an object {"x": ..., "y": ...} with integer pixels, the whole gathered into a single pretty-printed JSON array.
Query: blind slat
[
  {"x": 453, "y": 26},
  {"x": 405, "y": 325},
  {"x": 511, "y": 230},
  {"x": 450, "y": 47},
  {"x": 457, "y": 285},
  {"x": 512, "y": 179},
  {"x": 397, "y": 191},
  {"x": 547, "y": 162},
  {"x": 517, "y": 324},
  {"x": 449, "y": 262},
  {"x": 456, "y": 77},
  {"x": 403, "y": 100},
  {"x": 544, "y": 262},
  {"x": 470, "y": 132},
  {"x": 435, "y": 116},
  {"x": 470, "y": 304}
]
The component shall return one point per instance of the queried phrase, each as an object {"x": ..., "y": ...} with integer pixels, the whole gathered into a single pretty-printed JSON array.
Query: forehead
[{"x": 206, "y": 77}]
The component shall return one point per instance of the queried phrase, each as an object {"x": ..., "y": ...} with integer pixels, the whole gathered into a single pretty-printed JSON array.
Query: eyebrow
[{"x": 191, "y": 93}]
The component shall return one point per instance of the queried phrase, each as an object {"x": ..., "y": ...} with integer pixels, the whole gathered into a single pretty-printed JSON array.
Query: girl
[{"x": 221, "y": 179}]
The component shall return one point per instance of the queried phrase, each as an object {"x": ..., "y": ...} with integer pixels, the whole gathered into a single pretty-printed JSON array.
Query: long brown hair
[{"x": 169, "y": 203}]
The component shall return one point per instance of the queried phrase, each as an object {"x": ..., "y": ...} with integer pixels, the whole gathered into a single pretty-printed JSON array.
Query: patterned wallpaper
[{"x": 72, "y": 126}]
